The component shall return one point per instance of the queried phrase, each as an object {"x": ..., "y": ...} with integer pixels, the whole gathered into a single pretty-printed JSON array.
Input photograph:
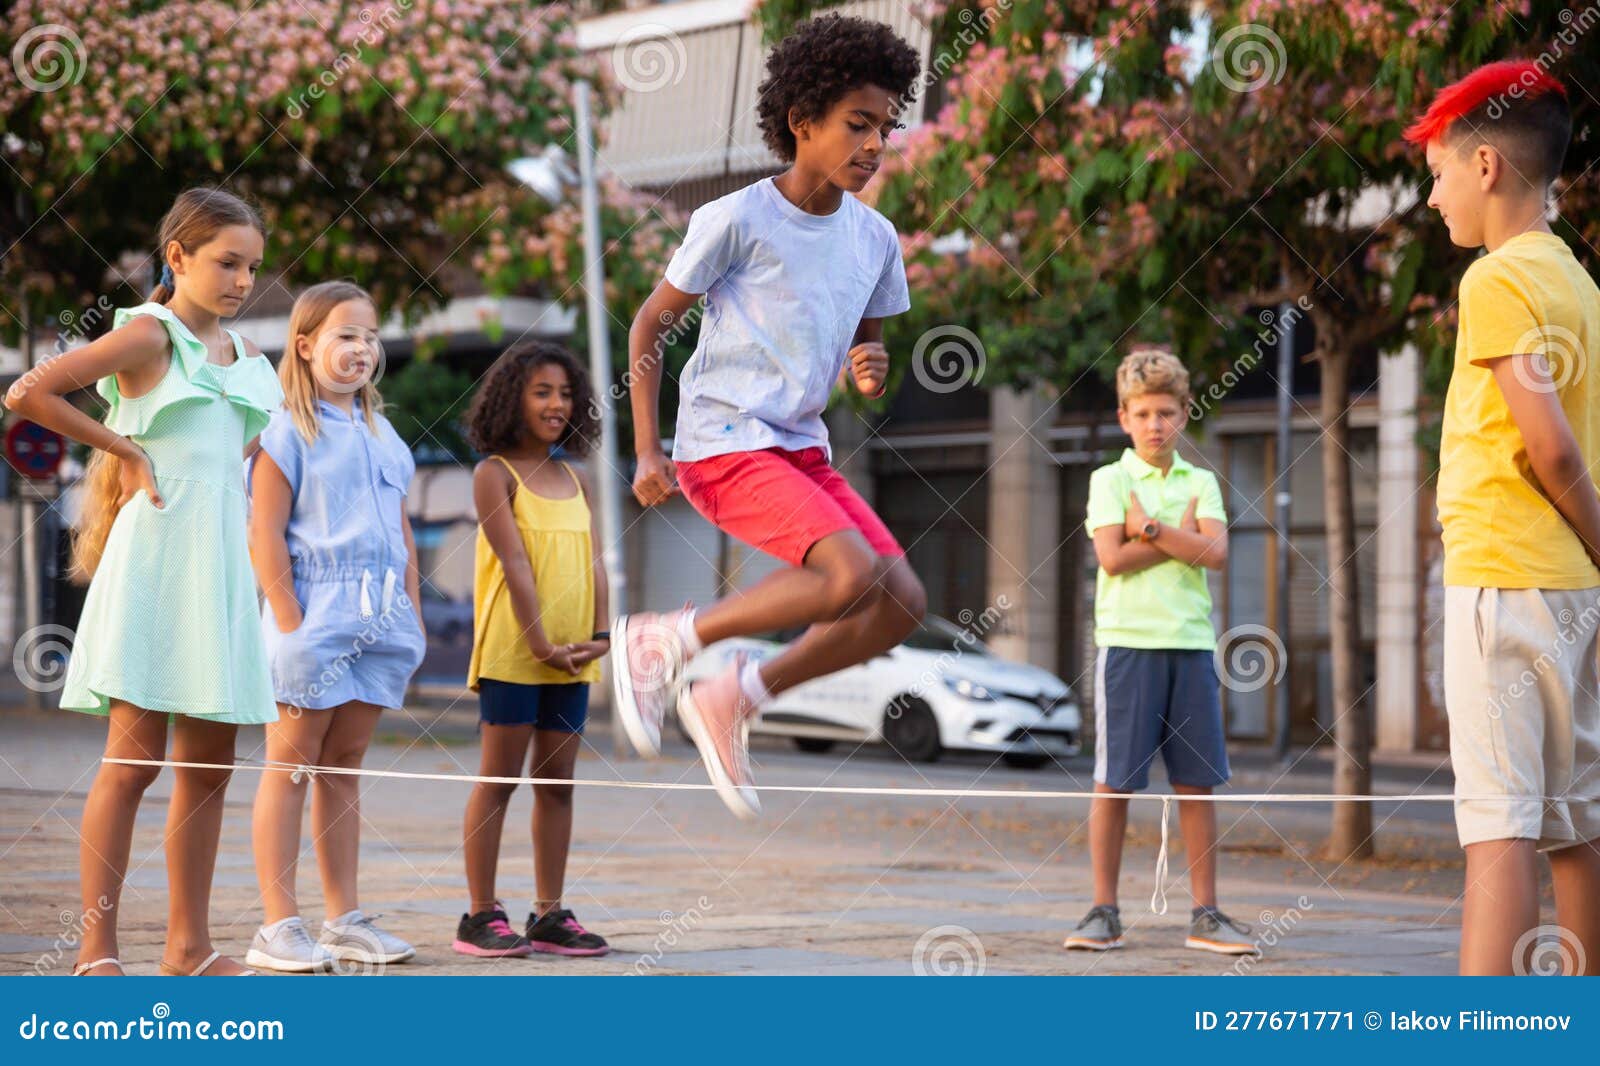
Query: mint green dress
[{"x": 171, "y": 621}]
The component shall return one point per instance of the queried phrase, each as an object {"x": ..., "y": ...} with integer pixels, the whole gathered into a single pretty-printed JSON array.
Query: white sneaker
[
  {"x": 647, "y": 661},
  {"x": 287, "y": 947},
  {"x": 354, "y": 937}
]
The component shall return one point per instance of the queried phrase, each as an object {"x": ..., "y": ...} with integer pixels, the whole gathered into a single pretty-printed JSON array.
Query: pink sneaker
[
  {"x": 717, "y": 715},
  {"x": 644, "y": 678}
]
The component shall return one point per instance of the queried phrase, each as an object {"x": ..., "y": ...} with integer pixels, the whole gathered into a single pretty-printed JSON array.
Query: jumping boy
[
  {"x": 1158, "y": 524},
  {"x": 798, "y": 276},
  {"x": 1520, "y": 517}
]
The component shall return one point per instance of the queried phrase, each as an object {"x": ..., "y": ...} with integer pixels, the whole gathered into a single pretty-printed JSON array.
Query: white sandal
[
  {"x": 83, "y": 968},
  {"x": 203, "y": 967}
]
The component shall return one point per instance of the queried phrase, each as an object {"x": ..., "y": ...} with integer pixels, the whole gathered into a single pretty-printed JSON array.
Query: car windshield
[{"x": 937, "y": 634}]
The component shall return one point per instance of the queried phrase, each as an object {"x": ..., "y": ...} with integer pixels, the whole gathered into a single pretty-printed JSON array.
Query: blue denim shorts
[
  {"x": 563, "y": 708},
  {"x": 1150, "y": 701}
]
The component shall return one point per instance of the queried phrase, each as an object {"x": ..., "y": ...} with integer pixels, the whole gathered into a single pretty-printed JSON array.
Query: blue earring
[{"x": 167, "y": 279}]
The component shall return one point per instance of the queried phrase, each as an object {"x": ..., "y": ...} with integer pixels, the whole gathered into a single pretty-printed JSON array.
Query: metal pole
[
  {"x": 607, "y": 474},
  {"x": 28, "y": 504},
  {"x": 1281, "y": 697}
]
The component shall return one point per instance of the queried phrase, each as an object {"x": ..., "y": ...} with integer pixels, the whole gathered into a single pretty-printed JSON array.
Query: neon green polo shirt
[{"x": 1167, "y": 605}]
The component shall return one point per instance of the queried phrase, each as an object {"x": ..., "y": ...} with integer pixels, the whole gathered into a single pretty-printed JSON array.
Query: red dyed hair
[{"x": 1477, "y": 88}]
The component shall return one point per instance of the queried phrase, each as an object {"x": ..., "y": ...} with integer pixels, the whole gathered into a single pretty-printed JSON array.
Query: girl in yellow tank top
[{"x": 539, "y": 610}]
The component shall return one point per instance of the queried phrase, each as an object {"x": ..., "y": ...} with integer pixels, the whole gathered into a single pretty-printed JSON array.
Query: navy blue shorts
[
  {"x": 1164, "y": 700},
  {"x": 562, "y": 708}
]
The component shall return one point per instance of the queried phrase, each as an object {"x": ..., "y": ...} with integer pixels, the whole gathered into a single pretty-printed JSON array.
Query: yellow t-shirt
[
  {"x": 1530, "y": 295},
  {"x": 555, "y": 534}
]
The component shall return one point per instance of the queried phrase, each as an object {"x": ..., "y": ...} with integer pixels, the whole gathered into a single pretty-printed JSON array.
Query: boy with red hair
[{"x": 1521, "y": 520}]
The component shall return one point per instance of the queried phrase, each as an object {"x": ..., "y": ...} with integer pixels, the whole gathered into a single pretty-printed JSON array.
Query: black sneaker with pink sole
[
  {"x": 559, "y": 933},
  {"x": 488, "y": 935}
]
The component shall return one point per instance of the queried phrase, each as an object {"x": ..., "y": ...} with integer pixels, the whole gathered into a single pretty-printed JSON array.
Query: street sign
[{"x": 34, "y": 451}]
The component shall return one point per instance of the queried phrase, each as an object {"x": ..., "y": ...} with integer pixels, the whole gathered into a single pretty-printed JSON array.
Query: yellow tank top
[{"x": 555, "y": 534}]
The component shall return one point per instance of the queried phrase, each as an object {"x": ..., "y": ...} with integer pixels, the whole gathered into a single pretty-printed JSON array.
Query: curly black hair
[
  {"x": 821, "y": 61},
  {"x": 494, "y": 421}
]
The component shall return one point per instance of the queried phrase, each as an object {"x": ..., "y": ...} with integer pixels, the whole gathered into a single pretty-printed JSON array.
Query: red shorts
[{"x": 781, "y": 502}]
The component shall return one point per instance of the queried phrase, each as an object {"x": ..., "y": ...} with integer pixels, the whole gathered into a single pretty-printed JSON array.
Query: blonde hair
[
  {"x": 194, "y": 219},
  {"x": 310, "y": 311},
  {"x": 1151, "y": 370}
]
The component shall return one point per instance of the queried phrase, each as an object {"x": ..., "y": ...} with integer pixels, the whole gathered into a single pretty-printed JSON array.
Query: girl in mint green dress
[{"x": 170, "y": 628}]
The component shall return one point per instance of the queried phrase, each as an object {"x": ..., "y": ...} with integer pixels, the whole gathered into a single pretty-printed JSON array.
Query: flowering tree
[
  {"x": 1130, "y": 171},
  {"x": 374, "y": 137}
]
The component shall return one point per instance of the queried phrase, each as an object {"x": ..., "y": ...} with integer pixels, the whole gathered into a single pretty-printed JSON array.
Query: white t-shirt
[{"x": 785, "y": 292}]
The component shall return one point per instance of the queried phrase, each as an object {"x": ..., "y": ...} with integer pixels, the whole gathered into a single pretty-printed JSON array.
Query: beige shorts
[{"x": 1522, "y": 692}]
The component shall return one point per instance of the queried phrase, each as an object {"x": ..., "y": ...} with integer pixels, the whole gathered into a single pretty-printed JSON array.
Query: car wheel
[
  {"x": 814, "y": 745},
  {"x": 911, "y": 730},
  {"x": 1025, "y": 760}
]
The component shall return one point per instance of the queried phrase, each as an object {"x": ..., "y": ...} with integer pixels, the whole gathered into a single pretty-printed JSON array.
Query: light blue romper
[{"x": 360, "y": 639}]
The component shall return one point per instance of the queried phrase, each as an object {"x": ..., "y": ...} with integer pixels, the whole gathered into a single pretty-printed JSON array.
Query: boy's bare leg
[
  {"x": 836, "y": 581},
  {"x": 1501, "y": 903},
  {"x": 1108, "y": 824},
  {"x": 1198, "y": 822},
  {"x": 1576, "y": 872},
  {"x": 895, "y": 604}
]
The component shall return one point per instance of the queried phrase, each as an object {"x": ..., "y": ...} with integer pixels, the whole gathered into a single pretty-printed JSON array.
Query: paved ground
[{"x": 823, "y": 884}]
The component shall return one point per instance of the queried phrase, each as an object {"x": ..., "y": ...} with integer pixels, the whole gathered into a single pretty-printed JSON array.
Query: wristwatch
[{"x": 1148, "y": 531}]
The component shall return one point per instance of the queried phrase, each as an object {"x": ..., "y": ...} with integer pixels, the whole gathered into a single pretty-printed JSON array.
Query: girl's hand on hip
[{"x": 138, "y": 473}]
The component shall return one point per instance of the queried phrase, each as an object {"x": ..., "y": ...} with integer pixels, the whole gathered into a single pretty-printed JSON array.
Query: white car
[{"x": 942, "y": 689}]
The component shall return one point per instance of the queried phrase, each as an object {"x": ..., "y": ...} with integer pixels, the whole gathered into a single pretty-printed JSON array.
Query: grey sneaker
[
  {"x": 354, "y": 937},
  {"x": 287, "y": 947},
  {"x": 1100, "y": 930},
  {"x": 1211, "y": 930}
]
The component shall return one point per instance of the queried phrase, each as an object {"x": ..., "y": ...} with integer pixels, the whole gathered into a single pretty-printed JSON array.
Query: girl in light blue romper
[{"x": 333, "y": 552}]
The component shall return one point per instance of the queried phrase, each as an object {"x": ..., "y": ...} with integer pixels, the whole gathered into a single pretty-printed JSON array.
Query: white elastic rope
[
  {"x": 1158, "y": 898},
  {"x": 388, "y": 590},
  {"x": 366, "y": 596},
  {"x": 845, "y": 790}
]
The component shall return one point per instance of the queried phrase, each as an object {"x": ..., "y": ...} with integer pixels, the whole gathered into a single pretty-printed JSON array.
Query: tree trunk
[{"x": 1351, "y": 836}]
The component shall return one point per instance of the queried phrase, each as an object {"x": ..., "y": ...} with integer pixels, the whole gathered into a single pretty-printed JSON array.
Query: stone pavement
[{"x": 822, "y": 884}]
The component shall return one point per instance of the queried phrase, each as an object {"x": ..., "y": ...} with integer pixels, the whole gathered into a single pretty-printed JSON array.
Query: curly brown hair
[
  {"x": 823, "y": 60},
  {"x": 494, "y": 421}
]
